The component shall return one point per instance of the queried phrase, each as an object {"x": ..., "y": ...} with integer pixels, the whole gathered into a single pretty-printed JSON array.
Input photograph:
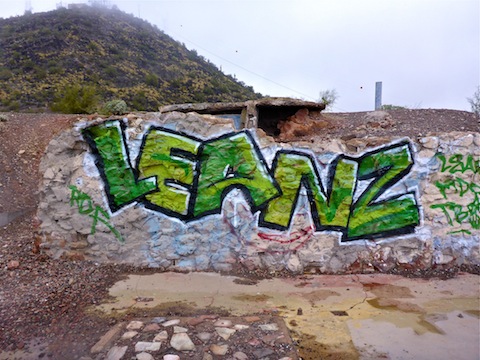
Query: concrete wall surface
[{"x": 188, "y": 191}]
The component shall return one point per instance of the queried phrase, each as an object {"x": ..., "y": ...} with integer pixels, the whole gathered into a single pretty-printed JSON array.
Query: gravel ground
[{"x": 48, "y": 298}]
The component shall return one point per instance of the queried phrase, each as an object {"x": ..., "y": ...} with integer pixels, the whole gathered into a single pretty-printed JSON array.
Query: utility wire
[
  {"x": 249, "y": 71},
  {"x": 243, "y": 68}
]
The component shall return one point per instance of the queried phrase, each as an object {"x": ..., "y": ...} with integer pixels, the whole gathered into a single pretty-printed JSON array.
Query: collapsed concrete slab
[{"x": 265, "y": 114}]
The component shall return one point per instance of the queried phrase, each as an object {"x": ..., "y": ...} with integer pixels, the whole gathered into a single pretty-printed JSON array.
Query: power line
[
  {"x": 243, "y": 68},
  {"x": 251, "y": 72},
  {"x": 229, "y": 61}
]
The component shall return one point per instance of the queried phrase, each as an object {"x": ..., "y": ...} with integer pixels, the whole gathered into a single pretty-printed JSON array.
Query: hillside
[{"x": 117, "y": 55}]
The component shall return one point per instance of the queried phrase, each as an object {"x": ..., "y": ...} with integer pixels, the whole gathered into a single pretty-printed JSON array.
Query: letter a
[{"x": 232, "y": 161}]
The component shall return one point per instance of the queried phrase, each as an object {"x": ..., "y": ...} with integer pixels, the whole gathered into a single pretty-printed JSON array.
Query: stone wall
[{"x": 189, "y": 192}]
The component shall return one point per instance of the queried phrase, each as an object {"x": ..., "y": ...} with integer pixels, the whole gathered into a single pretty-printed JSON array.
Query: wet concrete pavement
[{"x": 335, "y": 317}]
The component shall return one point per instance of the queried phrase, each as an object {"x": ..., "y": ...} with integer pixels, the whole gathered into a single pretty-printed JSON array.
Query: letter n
[{"x": 331, "y": 210}]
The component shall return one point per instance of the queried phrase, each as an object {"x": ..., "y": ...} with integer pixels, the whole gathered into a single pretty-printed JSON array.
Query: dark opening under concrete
[{"x": 270, "y": 116}]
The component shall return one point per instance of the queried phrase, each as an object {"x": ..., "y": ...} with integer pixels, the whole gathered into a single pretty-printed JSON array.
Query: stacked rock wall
[{"x": 189, "y": 192}]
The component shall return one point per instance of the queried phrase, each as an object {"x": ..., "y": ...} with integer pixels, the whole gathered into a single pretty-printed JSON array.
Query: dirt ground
[{"x": 47, "y": 298}]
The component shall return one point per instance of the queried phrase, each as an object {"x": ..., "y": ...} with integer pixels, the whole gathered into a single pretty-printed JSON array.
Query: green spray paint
[
  {"x": 188, "y": 178},
  {"x": 458, "y": 213},
  {"x": 230, "y": 162},
  {"x": 459, "y": 163},
  {"x": 161, "y": 157},
  {"x": 455, "y": 213},
  {"x": 384, "y": 168},
  {"x": 85, "y": 206},
  {"x": 292, "y": 170},
  {"x": 122, "y": 187}
]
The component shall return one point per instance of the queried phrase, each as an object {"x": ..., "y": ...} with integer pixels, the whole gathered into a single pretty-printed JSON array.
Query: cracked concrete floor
[{"x": 346, "y": 317}]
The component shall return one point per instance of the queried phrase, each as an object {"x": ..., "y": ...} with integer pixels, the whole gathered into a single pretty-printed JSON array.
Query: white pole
[{"x": 378, "y": 95}]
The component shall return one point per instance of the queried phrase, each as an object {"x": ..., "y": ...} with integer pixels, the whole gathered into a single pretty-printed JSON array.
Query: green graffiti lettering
[
  {"x": 461, "y": 186},
  {"x": 474, "y": 213},
  {"x": 443, "y": 160},
  {"x": 121, "y": 183},
  {"x": 444, "y": 208},
  {"x": 398, "y": 214},
  {"x": 458, "y": 186},
  {"x": 79, "y": 199},
  {"x": 228, "y": 162},
  {"x": 474, "y": 188},
  {"x": 456, "y": 212},
  {"x": 459, "y": 214},
  {"x": 292, "y": 170},
  {"x": 168, "y": 157},
  {"x": 472, "y": 165},
  {"x": 456, "y": 163},
  {"x": 187, "y": 178},
  {"x": 96, "y": 217},
  {"x": 461, "y": 231}
]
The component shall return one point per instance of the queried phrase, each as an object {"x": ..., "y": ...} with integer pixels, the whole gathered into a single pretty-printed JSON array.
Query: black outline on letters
[
  {"x": 270, "y": 171},
  {"x": 99, "y": 163}
]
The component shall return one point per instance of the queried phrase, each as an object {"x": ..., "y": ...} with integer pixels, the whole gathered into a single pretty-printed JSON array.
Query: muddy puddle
[{"x": 329, "y": 317}]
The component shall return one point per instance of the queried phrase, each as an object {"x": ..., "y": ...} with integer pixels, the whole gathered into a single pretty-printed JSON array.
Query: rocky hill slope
[{"x": 115, "y": 55}]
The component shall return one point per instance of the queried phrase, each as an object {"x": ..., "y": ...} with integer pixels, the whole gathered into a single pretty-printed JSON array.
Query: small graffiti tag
[
  {"x": 459, "y": 163},
  {"x": 454, "y": 212},
  {"x": 85, "y": 206},
  {"x": 188, "y": 178}
]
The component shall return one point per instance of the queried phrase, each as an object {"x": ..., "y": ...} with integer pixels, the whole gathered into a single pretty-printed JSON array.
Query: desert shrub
[
  {"x": 474, "y": 102},
  {"x": 54, "y": 67},
  {"x": 76, "y": 99},
  {"x": 93, "y": 46},
  {"x": 14, "y": 106},
  {"x": 115, "y": 107},
  {"x": 152, "y": 80},
  {"x": 5, "y": 73},
  {"x": 28, "y": 65},
  {"x": 328, "y": 97},
  {"x": 40, "y": 73},
  {"x": 387, "y": 107},
  {"x": 111, "y": 71}
]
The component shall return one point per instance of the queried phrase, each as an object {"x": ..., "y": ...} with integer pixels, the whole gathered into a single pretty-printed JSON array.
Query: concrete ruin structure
[{"x": 214, "y": 187}]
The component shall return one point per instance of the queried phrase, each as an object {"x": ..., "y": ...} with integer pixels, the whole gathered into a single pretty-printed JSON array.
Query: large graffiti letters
[
  {"x": 232, "y": 161},
  {"x": 121, "y": 181},
  {"x": 334, "y": 208},
  {"x": 292, "y": 170},
  {"x": 170, "y": 159},
  {"x": 396, "y": 214},
  {"x": 187, "y": 178}
]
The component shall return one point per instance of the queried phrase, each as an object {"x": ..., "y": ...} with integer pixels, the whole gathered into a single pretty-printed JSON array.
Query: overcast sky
[{"x": 426, "y": 53}]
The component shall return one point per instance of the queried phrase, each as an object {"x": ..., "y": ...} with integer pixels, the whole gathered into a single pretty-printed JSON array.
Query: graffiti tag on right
[
  {"x": 463, "y": 205},
  {"x": 188, "y": 178}
]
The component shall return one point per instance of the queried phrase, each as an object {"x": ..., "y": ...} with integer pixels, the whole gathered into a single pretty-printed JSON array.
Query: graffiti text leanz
[{"x": 187, "y": 178}]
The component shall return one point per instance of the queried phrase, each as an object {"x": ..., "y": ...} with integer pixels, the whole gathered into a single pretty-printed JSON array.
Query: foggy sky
[{"x": 425, "y": 52}]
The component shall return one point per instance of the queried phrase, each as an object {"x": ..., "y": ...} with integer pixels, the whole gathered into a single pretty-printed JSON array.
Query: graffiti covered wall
[{"x": 189, "y": 191}]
